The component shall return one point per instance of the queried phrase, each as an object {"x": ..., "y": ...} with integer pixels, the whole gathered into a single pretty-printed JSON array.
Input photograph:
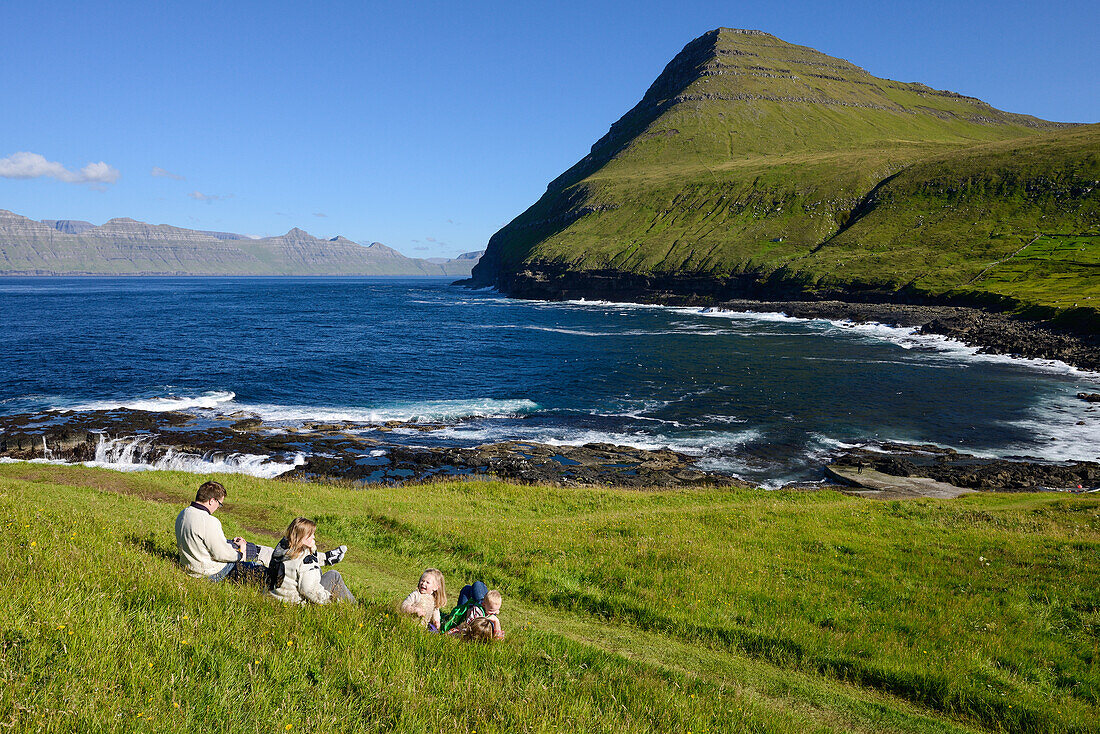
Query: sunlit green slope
[
  {"x": 748, "y": 154},
  {"x": 704, "y": 610}
]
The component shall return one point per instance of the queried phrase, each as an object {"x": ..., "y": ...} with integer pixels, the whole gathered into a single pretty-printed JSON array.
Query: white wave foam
[
  {"x": 686, "y": 329},
  {"x": 222, "y": 402},
  {"x": 132, "y": 454},
  {"x": 1063, "y": 429},
  {"x": 694, "y": 445},
  {"x": 738, "y": 315},
  {"x": 419, "y": 412},
  {"x": 905, "y": 337},
  {"x": 129, "y": 454},
  {"x": 207, "y": 400}
]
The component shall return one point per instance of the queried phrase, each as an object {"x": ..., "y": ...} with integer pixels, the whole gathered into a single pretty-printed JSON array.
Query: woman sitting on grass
[{"x": 295, "y": 572}]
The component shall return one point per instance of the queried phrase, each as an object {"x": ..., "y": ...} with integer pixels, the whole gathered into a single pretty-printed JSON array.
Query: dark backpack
[
  {"x": 274, "y": 575},
  {"x": 275, "y": 571}
]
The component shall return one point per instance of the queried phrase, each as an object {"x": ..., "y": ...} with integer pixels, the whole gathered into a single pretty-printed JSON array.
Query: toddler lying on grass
[
  {"x": 479, "y": 629},
  {"x": 488, "y": 609}
]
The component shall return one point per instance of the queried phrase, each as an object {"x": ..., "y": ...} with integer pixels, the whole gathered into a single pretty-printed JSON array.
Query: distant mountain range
[
  {"x": 129, "y": 247},
  {"x": 757, "y": 168}
]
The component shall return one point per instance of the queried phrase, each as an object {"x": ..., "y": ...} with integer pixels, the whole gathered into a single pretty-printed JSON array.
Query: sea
[{"x": 760, "y": 396}]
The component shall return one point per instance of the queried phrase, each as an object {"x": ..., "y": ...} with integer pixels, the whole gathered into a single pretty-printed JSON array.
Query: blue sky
[{"x": 426, "y": 127}]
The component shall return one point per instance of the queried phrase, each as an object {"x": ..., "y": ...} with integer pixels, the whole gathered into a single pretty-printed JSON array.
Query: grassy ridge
[
  {"x": 702, "y": 610},
  {"x": 749, "y": 155},
  {"x": 1018, "y": 219}
]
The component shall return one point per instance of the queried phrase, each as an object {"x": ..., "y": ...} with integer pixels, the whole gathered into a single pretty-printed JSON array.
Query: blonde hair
[
  {"x": 296, "y": 534},
  {"x": 478, "y": 629},
  {"x": 493, "y": 596},
  {"x": 440, "y": 592}
]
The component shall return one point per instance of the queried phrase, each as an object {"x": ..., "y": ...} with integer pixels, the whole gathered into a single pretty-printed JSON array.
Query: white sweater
[
  {"x": 201, "y": 542},
  {"x": 301, "y": 579}
]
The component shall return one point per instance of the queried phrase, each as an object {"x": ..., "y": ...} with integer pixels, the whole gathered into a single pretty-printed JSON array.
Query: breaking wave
[
  {"x": 208, "y": 400},
  {"x": 135, "y": 453}
]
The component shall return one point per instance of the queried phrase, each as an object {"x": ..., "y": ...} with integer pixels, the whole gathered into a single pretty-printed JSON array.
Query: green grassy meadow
[{"x": 705, "y": 610}]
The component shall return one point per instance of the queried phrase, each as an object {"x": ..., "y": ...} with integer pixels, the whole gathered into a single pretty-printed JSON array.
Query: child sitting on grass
[
  {"x": 488, "y": 609},
  {"x": 424, "y": 608},
  {"x": 430, "y": 586}
]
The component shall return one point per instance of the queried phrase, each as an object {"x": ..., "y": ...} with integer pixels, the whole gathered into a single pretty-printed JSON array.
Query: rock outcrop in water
[
  {"x": 129, "y": 247},
  {"x": 971, "y": 472}
]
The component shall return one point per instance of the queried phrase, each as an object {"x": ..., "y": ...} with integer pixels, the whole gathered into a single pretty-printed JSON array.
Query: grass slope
[
  {"x": 1017, "y": 219},
  {"x": 752, "y": 155},
  {"x": 702, "y": 610}
]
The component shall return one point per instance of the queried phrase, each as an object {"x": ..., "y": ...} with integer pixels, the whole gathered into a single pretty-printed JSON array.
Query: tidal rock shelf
[
  {"x": 964, "y": 470},
  {"x": 394, "y": 452},
  {"x": 370, "y": 453}
]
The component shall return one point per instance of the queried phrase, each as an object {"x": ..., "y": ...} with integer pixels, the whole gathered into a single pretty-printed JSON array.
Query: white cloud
[
  {"x": 199, "y": 196},
  {"x": 32, "y": 165},
  {"x": 161, "y": 173}
]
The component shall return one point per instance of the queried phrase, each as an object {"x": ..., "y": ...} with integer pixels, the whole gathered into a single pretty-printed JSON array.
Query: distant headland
[{"x": 129, "y": 247}]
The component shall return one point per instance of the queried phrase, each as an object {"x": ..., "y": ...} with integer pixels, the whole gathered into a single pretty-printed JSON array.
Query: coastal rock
[
  {"x": 994, "y": 332},
  {"x": 964, "y": 470},
  {"x": 369, "y": 453}
]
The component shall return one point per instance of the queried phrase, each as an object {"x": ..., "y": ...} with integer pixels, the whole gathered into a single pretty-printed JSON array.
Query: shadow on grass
[{"x": 149, "y": 543}]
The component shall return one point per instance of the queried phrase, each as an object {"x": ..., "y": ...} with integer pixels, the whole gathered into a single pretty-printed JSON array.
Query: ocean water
[{"x": 761, "y": 396}]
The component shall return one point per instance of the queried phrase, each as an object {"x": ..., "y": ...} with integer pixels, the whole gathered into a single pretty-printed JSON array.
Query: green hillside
[
  {"x": 750, "y": 156},
  {"x": 713, "y": 610},
  {"x": 1017, "y": 219}
]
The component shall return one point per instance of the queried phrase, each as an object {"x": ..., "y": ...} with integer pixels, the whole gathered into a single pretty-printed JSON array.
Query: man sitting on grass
[{"x": 203, "y": 548}]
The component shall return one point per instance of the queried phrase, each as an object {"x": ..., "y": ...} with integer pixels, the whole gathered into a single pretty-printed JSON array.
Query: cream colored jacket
[
  {"x": 201, "y": 542},
  {"x": 301, "y": 578}
]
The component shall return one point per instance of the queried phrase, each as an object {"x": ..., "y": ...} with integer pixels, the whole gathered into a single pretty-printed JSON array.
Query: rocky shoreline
[
  {"x": 370, "y": 453},
  {"x": 1073, "y": 338},
  {"x": 388, "y": 453},
  {"x": 992, "y": 332},
  {"x": 971, "y": 472}
]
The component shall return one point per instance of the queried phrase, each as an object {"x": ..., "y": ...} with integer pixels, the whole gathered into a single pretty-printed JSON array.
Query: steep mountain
[
  {"x": 756, "y": 167},
  {"x": 129, "y": 247}
]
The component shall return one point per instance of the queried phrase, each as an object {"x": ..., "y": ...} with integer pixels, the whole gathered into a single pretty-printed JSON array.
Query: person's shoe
[{"x": 335, "y": 555}]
